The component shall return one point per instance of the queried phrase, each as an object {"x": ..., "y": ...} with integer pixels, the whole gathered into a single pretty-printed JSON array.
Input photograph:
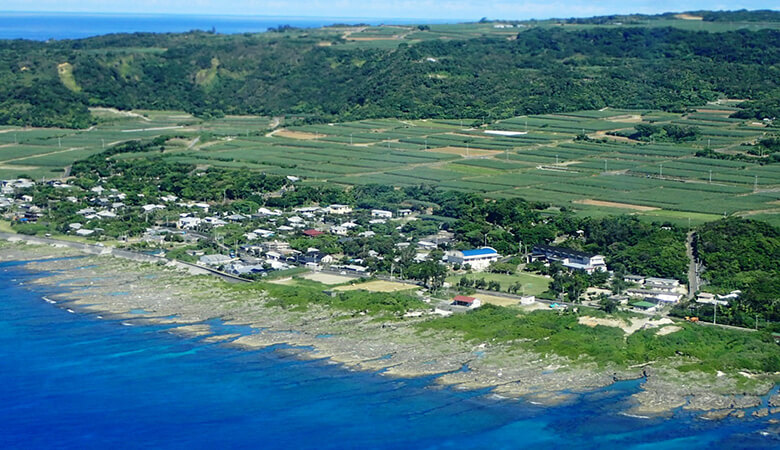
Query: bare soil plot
[
  {"x": 327, "y": 278},
  {"x": 592, "y": 202},
  {"x": 630, "y": 326},
  {"x": 378, "y": 286},
  {"x": 375, "y": 38},
  {"x": 466, "y": 152},
  {"x": 688, "y": 17},
  {"x": 304, "y": 135},
  {"x": 496, "y": 300},
  {"x": 725, "y": 112},
  {"x": 626, "y": 118}
]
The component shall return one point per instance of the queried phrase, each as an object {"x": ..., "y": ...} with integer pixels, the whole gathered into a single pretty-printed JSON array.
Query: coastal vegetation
[{"x": 697, "y": 348}]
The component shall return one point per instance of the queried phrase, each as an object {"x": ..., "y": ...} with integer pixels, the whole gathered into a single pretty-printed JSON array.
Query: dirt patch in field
[
  {"x": 592, "y": 202},
  {"x": 378, "y": 286},
  {"x": 304, "y": 135},
  {"x": 17, "y": 167},
  {"x": 496, "y": 300},
  {"x": 327, "y": 278},
  {"x": 725, "y": 112},
  {"x": 668, "y": 330},
  {"x": 366, "y": 39},
  {"x": 626, "y": 118},
  {"x": 466, "y": 152},
  {"x": 468, "y": 135},
  {"x": 604, "y": 135},
  {"x": 323, "y": 44},
  {"x": 688, "y": 17},
  {"x": 629, "y": 326},
  {"x": 283, "y": 281}
]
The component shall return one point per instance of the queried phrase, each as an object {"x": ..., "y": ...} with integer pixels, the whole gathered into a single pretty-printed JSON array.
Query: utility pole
[
  {"x": 755, "y": 184},
  {"x": 59, "y": 142},
  {"x": 426, "y": 143},
  {"x": 350, "y": 138},
  {"x": 104, "y": 142},
  {"x": 710, "y": 175},
  {"x": 661, "y": 171},
  {"x": 715, "y": 314}
]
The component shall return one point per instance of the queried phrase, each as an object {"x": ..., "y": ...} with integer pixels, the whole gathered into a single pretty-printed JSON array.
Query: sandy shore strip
[{"x": 137, "y": 293}]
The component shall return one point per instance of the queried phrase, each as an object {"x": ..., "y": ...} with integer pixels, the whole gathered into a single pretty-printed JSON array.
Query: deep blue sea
[
  {"x": 73, "y": 380},
  {"x": 44, "y": 26}
]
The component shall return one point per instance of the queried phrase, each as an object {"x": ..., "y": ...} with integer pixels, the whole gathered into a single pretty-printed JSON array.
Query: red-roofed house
[
  {"x": 469, "y": 302},
  {"x": 313, "y": 233}
]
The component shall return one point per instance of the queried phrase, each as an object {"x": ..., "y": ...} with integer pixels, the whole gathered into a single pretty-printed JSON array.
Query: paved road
[{"x": 693, "y": 275}]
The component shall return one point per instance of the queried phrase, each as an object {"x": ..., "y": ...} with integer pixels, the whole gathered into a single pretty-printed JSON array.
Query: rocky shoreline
[{"x": 158, "y": 294}]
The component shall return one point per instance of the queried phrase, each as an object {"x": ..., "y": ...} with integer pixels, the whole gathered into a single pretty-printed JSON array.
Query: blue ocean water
[
  {"x": 73, "y": 380},
  {"x": 44, "y": 26}
]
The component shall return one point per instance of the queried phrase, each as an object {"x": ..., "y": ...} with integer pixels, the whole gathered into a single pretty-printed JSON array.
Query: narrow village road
[{"x": 693, "y": 275}]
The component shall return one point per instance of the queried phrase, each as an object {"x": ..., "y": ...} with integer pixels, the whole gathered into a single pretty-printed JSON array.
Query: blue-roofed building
[{"x": 479, "y": 258}]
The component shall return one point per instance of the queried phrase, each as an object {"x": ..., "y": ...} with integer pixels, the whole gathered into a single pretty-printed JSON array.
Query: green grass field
[{"x": 532, "y": 284}]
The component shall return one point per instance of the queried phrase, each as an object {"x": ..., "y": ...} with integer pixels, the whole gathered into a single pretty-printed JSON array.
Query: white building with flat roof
[{"x": 479, "y": 258}]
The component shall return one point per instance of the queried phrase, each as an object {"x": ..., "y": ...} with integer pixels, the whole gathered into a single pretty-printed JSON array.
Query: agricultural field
[
  {"x": 390, "y": 36},
  {"x": 538, "y": 158}
]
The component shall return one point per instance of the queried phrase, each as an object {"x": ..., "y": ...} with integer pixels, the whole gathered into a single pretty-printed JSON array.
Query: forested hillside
[
  {"x": 743, "y": 254},
  {"x": 539, "y": 70}
]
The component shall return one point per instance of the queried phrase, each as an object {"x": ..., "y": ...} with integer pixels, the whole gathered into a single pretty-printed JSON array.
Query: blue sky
[{"x": 433, "y": 9}]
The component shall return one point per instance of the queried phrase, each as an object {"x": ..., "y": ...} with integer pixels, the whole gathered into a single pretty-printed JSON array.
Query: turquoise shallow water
[{"x": 71, "y": 380}]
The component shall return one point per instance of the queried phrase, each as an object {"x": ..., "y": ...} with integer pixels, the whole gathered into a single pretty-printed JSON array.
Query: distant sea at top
[{"x": 45, "y": 26}]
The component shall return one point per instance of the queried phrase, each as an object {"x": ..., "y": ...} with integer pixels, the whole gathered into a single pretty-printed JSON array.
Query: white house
[
  {"x": 381, "y": 214},
  {"x": 268, "y": 212},
  {"x": 214, "y": 221},
  {"x": 572, "y": 259},
  {"x": 188, "y": 222},
  {"x": 215, "y": 260},
  {"x": 469, "y": 302},
  {"x": 339, "y": 209},
  {"x": 479, "y": 258}
]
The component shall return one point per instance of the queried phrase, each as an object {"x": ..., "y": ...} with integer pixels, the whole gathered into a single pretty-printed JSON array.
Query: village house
[
  {"x": 215, "y": 260},
  {"x": 478, "y": 259},
  {"x": 382, "y": 214},
  {"x": 469, "y": 302},
  {"x": 188, "y": 222},
  {"x": 339, "y": 209},
  {"x": 661, "y": 284},
  {"x": 280, "y": 247},
  {"x": 313, "y": 233},
  {"x": 571, "y": 259},
  {"x": 264, "y": 212},
  {"x": 655, "y": 295}
]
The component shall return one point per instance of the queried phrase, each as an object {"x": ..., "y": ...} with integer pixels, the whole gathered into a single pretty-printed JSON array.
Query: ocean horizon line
[{"x": 239, "y": 16}]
